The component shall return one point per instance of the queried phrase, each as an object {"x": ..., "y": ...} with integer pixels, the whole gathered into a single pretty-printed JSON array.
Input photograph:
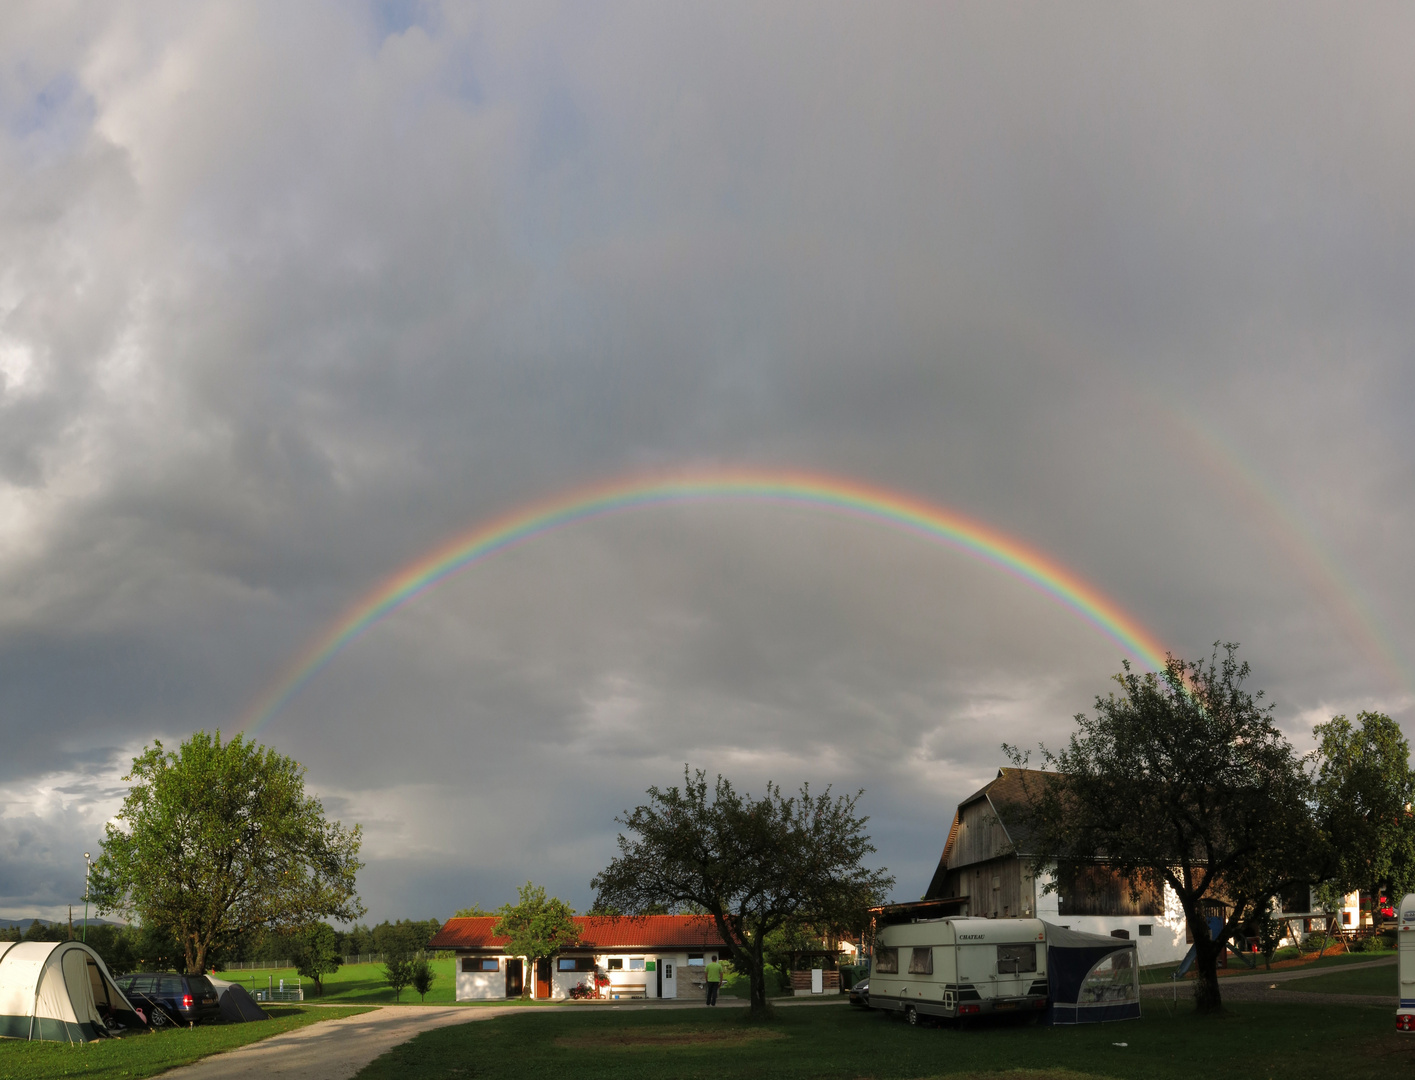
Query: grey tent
[
  {"x": 237, "y": 1006},
  {"x": 59, "y": 991},
  {"x": 1090, "y": 978}
]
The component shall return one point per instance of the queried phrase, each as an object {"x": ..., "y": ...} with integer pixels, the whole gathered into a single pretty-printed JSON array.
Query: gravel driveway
[{"x": 1267, "y": 986}]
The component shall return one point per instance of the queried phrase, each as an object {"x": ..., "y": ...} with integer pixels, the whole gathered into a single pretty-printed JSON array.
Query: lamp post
[{"x": 88, "y": 865}]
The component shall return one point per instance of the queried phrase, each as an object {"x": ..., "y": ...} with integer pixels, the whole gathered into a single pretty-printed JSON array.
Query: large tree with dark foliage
[
  {"x": 1365, "y": 787},
  {"x": 1182, "y": 779},
  {"x": 218, "y": 839},
  {"x": 753, "y": 865}
]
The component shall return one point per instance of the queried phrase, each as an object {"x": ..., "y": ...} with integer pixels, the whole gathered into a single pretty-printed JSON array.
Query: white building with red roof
[{"x": 651, "y": 956}]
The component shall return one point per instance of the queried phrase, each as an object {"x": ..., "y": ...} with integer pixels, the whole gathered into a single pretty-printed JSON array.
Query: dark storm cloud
[{"x": 289, "y": 296}]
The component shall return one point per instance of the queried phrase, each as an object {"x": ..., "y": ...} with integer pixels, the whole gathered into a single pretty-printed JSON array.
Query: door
[
  {"x": 667, "y": 979},
  {"x": 514, "y": 981},
  {"x": 1016, "y": 968},
  {"x": 543, "y": 978}
]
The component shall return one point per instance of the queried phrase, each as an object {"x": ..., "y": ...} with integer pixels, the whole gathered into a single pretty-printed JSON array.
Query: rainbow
[{"x": 831, "y": 494}]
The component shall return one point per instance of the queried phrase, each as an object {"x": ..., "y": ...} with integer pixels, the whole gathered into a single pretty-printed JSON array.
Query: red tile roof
[{"x": 602, "y": 934}]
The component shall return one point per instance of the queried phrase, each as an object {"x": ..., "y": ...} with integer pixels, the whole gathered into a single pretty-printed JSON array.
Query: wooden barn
[{"x": 987, "y": 870}]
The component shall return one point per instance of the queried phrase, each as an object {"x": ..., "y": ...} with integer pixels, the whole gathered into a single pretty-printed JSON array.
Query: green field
[
  {"x": 148, "y": 1053},
  {"x": 1321, "y": 1043},
  {"x": 356, "y": 983},
  {"x": 1380, "y": 980}
]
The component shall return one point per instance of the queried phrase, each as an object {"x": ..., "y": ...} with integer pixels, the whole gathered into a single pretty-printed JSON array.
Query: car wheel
[{"x": 911, "y": 1014}]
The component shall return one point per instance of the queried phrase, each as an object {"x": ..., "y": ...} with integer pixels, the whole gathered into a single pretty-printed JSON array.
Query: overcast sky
[{"x": 292, "y": 294}]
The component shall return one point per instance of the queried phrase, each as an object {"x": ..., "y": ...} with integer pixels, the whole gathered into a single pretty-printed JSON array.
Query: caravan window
[
  {"x": 921, "y": 962},
  {"x": 887, "y": 962},
  {"x": 1014, "y": 959}
]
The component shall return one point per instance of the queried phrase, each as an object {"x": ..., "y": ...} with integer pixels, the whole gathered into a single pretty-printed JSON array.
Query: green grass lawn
[
  {"x": 149, "y": 1052},
  {"x": 1381, "y": 980},
  {"x": 838, "y": 1041},
  {"x": 1251, "y": 1041},
  {"x": 356, "y": 983}
]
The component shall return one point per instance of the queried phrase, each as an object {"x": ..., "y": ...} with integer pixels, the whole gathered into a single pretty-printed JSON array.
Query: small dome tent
[
  {"x": 59, "y": 991},
  {"x": 1090, "y": 978},
  {"x": 236, "y": 1004}
]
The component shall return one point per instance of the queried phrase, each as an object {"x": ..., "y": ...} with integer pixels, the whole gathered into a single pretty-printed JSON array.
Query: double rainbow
[{"x": 881, "y": 506}]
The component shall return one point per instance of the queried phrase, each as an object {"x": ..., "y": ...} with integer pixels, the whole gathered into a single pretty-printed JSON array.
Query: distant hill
[{"x": 25, "y": 924}]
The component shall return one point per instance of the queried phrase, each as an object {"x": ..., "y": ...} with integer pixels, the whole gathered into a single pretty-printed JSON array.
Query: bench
[{"x": 626, "y": 990}]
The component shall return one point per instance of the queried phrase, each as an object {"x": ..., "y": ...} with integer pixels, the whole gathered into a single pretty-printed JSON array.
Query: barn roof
[
  {"x": 1009, "y": 788},
  {"x": 600, "y": 933}
]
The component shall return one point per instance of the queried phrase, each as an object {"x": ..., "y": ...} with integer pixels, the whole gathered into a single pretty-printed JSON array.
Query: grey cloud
[{"x": 305, "y": 293}]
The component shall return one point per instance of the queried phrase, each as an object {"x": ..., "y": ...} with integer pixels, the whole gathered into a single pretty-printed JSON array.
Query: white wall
[
  {"x": 484, "y": 985},
  {"x": 1165, "y": 945},
  {"x": 562, "y": 981}
]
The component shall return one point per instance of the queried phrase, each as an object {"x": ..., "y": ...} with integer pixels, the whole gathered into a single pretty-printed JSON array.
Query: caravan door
[{"x": 1016, "y": 968}]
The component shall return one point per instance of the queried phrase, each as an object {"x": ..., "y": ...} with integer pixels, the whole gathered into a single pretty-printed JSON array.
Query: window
[
  {"x": 636, "y": 963},
  {"x": 1015, "y": 959},
  {"x": 476, "y": 963},
  {"x": 695, "y": 959},
  {"x": 616, "y": 964},
  {"x": 887, "y": 962},
  {"x": 1124, "y": 935},
  {"x": 1147, "y": 930},
  {"x": 921, "y": 962},
  {"x": 1112, "y": 979},
  {"x": 575, "y": 963}
]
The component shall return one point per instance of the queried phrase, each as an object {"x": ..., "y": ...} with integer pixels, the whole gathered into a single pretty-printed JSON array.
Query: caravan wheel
[{"x": 912, "y": 1015}]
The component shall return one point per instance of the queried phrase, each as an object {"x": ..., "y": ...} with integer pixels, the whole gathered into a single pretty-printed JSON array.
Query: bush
[
  {"x": 1382, "y": 942},
  {"x": 423, "y": 977}
]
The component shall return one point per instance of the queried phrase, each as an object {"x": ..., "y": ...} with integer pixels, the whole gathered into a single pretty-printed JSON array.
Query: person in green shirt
[{"x": 713, "y": 971}]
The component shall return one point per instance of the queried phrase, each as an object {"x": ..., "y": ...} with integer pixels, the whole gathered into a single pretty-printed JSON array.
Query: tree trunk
[
  {"x": 1206, "y": 992},
  {"x": 756, "y": 974}
]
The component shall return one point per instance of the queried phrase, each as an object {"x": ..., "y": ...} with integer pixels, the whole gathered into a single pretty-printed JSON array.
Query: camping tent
[
  {"x": 237, "y": 1005},
  {"x": 1090, "y": 978},
  {"x": 58, "y": 991}
]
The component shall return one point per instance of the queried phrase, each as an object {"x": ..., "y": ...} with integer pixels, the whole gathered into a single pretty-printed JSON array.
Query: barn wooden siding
[{"x": 1088, "y": 889}]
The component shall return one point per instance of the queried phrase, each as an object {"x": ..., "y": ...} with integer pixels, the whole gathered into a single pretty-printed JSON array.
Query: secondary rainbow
[{"x": 830, "y": 494}]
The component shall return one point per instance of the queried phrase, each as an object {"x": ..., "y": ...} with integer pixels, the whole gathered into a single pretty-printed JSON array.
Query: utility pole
[
  {"x": 71, "y": 922},
  {"x": 88, "y": 865}
]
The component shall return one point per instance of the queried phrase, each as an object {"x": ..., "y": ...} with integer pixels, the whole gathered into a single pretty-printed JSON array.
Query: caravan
[{"x": 960, "y": 967}]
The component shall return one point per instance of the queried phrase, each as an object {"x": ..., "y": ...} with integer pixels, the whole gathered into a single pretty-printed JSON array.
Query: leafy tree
[
  {"x": 1364, "y": 790},
  {"x": 1181, "y": 780},
  {"x": 755, "y": 866},
  {"x": 536, "y": 927},
  {"x": 474, "y": 912},
  {"x": 114, "y": 944},
  {"x": 398, "y": 973},
  {"x": 405, "y": 936},
  {"x": 218, "y": 839},
  {"x": 423, "y": 977},
  {"x": 1271, "y": 931},
  {"x": 317, "y": 953}
]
